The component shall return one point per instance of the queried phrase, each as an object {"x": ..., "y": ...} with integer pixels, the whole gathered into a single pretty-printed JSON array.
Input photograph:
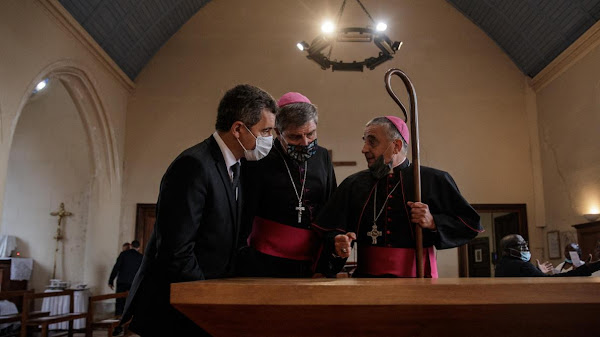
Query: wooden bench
[
  {"x": 18, "y": 298},
  {"x": 109, "y": 324},
  {"x": 44, "y": 321}
]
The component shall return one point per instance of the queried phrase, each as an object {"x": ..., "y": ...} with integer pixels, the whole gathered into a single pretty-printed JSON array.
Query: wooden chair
[
  {"x": 18, "y": 298},
  {"x": 109, "y": 324},
  {"x": 45, "y": 321}
]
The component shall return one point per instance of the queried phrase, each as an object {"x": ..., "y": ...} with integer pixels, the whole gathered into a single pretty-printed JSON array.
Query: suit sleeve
[
  {"x": 115, "y": 270},
  {"x": 181, "y": 202},
  {"x": 456, "y": 220}
]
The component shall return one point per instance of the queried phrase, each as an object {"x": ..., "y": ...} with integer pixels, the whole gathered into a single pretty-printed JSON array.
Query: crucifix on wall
[{"x": 60, "y": 214}]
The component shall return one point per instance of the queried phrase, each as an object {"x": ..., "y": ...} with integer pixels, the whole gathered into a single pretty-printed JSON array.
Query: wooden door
[
  {"x": 144, "y": 223},
  {"x": 479, "y": 257}
]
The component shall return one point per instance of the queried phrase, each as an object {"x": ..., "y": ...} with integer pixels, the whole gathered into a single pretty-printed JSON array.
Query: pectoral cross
[
  {"x": 300, "y": 208},
  {"x": 374, "y": 234},
  {"x": 60, "y": 214}
]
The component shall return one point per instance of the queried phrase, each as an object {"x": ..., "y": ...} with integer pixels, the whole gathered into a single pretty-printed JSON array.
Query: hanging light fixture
[{"x": 332, "y": 34}]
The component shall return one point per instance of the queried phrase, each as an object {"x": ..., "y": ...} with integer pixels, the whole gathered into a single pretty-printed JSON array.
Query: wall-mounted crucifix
[{"x": 60, "y": 214}]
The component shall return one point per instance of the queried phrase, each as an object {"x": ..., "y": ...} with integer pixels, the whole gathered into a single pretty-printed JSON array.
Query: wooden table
[{"x": 393, "y": 307}]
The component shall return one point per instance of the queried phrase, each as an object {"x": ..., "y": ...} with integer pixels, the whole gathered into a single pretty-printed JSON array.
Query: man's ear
[
  {"x": 397, "y": 146},
  {"x": 236, "y": 128}
]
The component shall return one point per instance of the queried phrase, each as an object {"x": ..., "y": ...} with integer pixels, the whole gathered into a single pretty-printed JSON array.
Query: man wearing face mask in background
[
  {"x": 284, "y": 193},
  {"x": 568, "y": 263},
  {"x": 516, "y": 256},
  {"x": 197, "y": 231},
  {"x": 375, "y": 208}
]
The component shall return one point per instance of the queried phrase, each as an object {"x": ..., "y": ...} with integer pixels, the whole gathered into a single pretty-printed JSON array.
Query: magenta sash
[
  {"x": 272, "y": 238},
  {"x": 400, "y": 262}
]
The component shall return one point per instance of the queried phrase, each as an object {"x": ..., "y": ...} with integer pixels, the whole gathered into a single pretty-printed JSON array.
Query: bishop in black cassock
[
  {"x": 283, "y": 195},
  {"x": 375, "y": 207}
]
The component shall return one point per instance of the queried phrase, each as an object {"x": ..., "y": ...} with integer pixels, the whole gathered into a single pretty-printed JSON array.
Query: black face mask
[{"x": 379, "y": 168}]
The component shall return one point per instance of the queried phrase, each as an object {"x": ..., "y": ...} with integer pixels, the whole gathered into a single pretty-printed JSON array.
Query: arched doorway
[{"x": 63, "y": 150}]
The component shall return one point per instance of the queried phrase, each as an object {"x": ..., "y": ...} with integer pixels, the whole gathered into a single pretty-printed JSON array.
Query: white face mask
[{"x": 262, "y": 149}]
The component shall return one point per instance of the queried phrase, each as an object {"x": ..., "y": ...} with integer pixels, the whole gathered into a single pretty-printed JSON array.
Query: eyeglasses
[{"x": 523, "y": 246}]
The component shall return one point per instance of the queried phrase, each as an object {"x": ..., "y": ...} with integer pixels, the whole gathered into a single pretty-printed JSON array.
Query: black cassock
[
  {"x": 385, "y": 236},
  {"x": 278, "y": 244}
]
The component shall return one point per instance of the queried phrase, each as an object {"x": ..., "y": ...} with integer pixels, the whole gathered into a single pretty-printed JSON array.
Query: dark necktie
[{"x": 235, "y": 168}]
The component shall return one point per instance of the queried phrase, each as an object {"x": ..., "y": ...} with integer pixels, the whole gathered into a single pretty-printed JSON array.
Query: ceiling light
[
  {"x": 40, "y": 86},
  {"x": 328, "y": 27},
  {"x": 302, "y": 45},
  {"x": 321, "y": 47}
]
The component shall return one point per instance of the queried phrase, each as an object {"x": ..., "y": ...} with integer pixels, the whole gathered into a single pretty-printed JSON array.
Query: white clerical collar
[{"x": 227, "y": 154}]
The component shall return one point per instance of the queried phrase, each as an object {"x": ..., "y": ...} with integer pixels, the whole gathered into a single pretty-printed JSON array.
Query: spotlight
[
  {"x": 381, "y": 27},
  {"x": 40, "y": 86},
  {"x": 302, "y": 46},
  {"x": 328, "y": 27}
]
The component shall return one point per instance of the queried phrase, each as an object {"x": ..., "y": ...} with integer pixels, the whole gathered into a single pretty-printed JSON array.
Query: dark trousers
[{"x": 120, "y": 305}]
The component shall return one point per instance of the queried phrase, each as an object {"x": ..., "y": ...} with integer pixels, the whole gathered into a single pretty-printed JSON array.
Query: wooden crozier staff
[{"x": 414, "y": 132}]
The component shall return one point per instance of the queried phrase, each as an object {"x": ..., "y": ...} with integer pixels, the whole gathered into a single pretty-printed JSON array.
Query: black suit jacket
[
  {"x": 195, "y": 236},
  {"x": 126, "y": 267}
]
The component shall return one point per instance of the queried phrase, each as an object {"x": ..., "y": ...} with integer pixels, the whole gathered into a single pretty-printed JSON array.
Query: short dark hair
[
  {"x": 243, "y": 103},
  {"x": 126, "y": 244},
  {"x": 135, "y": 244},
  {"x": 295, "y": 115}
]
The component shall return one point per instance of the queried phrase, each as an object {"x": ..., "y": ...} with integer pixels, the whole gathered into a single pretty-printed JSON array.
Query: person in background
[
  {"x": 124, "y": 271},
  {"x": 126, "y": 246},
  {"x": 568, "y": 263},
  {"x": 516, "y": 256}
]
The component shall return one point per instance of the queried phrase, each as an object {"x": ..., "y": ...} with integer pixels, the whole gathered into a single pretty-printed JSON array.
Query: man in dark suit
[
  {"x": 124, "y": 271},
  {"x": 196, "y": 234}
]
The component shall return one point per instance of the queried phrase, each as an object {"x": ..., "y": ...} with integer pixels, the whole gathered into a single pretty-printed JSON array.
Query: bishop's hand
[
  {"x": 342, "y": 244},
  {"x": 419, "y": 214}
]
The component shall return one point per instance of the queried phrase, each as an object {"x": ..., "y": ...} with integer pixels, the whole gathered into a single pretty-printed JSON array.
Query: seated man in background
[
  {"x": 284, "y": 193},
  {"x": 516, "y": 256},
  {"x": 568, "y": 264}
]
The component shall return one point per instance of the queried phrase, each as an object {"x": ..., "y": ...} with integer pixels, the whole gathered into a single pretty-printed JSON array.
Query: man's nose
[
  {"x": 365, "y": 148},
  {"x": 304, "y": 141}
]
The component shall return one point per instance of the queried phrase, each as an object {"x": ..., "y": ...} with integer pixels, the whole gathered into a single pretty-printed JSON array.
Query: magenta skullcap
[
  {"x": 292, "y": 97},
  {"x": 401, "y": 126}
]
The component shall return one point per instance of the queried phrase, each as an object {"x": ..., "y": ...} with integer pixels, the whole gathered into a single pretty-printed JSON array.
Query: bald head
[{"x": 513, "y": 245}]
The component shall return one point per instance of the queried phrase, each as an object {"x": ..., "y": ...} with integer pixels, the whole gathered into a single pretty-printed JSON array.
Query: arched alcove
[{"x": 75, "y": 122}]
